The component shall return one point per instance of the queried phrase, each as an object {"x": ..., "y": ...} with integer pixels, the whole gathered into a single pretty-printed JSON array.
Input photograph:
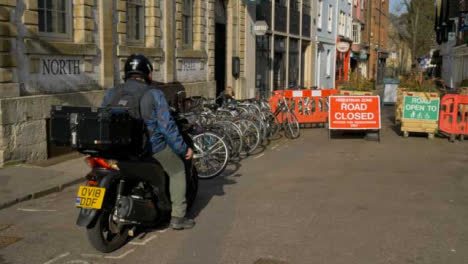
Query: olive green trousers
[{"x": 174, "y": 166}]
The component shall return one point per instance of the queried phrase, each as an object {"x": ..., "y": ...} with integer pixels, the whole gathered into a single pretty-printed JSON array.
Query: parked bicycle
[{"x": 287, "y": 119}]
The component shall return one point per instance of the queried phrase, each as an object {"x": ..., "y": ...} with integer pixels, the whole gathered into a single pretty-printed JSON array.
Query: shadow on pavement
[
  {"x": 258, "y": 150},
  {"x": 209, "y": 188},
  {"x": 347, "y": 134}
]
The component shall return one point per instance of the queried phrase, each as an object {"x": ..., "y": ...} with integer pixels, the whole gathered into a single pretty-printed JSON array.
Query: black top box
[{"x": 106, "y": 132}]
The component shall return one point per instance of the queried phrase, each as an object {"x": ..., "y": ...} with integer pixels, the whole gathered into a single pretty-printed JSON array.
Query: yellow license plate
[{"x": 90, "y": 197}]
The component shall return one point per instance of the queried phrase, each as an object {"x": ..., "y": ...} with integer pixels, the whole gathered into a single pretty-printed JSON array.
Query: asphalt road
[{"x": 306, "y": 201}]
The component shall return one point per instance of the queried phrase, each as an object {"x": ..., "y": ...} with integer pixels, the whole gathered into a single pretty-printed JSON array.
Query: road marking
[
  {"x": 144, "y": 242},
  {"x": 259, "y": 156},
  {"x": 162, "y": 231},
  {"x": 91, "y": 255},
  {"x": 35, "y": 210},
  {"x": 57, "y": 258},
  {"x": 78, "y": 261},
  {"x": 121, "y": 256},
  {"x": 275, "y": 146}
]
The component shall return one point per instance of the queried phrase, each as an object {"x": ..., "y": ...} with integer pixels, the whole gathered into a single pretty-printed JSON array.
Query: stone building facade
[{"x": 69, "y": 52}]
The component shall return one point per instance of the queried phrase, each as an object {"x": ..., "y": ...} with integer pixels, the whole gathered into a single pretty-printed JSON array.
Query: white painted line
[
  {"x": 121, "y": 256},
  {"x": 35, "y": 210},
  {"x": 144, "y": 242},
  {"x": 57, "y": 258},
  {"x": 259, "y": 156},
  {"x": 77, "y": 262},
  {"x": 162, "y": 231},
  {"x": 275, "y": 146},
  {"x": 91, "y": 255}
]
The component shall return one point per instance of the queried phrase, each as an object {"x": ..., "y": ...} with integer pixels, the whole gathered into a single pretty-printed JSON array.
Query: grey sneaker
[{"x": 179, "y": 223}]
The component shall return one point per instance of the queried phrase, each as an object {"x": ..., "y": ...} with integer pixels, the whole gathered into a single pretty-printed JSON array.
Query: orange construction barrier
[
  {"x": 309, "y": 106},
  {"x": 454, "y": 115}
]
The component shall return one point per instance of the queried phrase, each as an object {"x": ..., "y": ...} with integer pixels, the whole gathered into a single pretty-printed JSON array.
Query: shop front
[{"x": 284, "y": 52}]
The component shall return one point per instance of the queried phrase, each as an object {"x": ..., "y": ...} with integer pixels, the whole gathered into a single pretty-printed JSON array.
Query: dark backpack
[{"x": 129, "y": 98}]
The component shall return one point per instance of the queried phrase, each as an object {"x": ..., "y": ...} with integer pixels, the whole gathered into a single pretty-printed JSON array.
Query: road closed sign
[{"x": 354, "y": 112}]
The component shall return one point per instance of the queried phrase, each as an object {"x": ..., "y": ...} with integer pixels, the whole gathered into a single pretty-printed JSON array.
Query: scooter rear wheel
[{"x": 102, "y": 237}]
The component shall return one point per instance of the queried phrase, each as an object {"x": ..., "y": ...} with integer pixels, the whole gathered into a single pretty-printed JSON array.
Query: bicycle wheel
[
  {"x": 223, "y": 131},
  {"x": 273, "y": 125},
  {"x": 211, "y": 154},
  {"x": 291, "y": 126},
  {"x": 235, "y": 137},
  {"x": 250, "y": 135},
  {"x": 259, "y": 123}
]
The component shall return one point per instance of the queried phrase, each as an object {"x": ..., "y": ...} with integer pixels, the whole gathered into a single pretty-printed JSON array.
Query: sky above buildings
[{"x": 396, "y": 7}]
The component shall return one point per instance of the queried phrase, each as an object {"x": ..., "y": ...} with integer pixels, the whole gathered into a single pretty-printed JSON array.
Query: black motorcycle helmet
[{"x": 139, "y": 66}]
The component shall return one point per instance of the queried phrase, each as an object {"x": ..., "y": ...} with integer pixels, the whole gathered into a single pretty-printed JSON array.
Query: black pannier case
[{"x": 107, "y": 132}]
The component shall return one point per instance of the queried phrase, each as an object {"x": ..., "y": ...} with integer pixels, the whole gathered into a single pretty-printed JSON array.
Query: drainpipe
[{"x": 337, "y": 8}]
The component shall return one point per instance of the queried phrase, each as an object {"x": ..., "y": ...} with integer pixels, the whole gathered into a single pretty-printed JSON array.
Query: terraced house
[
  {"x": 326, "y": 27},
  {"x": 69, "y": 52}
]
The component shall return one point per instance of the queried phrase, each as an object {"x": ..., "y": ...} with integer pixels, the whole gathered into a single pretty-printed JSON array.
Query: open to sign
[{"x": 354, "y": 112}]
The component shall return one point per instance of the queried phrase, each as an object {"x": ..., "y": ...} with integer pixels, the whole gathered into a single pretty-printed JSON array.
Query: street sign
[
  {"x": 343, "y": 46},
  {"x": 260, "y": 28},
  {"x": 452, "y": 36},
  {"x": 390, "y": 93},
  {"x": 417, "y": 108},
  {"x": 354, "y": 112}
]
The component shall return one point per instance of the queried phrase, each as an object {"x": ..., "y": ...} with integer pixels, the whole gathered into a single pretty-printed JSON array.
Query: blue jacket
[{"x": 154, "y": 110}]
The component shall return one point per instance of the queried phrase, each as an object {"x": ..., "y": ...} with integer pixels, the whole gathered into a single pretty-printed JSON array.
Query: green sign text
[{"x": 417, "y": 108}]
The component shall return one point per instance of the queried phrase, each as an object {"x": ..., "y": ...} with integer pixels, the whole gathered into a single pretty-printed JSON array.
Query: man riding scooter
[{"x": 165, "y": 142}]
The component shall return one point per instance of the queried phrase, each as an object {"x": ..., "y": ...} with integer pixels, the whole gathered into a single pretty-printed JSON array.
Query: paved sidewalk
[{"x": 23, "y": 182}]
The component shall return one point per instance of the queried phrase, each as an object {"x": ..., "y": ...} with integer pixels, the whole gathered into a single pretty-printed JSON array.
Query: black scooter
[{"x": 122, "y": 195}]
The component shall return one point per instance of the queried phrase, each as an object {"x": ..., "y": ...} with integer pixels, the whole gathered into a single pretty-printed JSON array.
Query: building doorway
[
  {"x": 279, "y": 67},
  {"x": 263, "y": 66},
  {"x": 220, "y": 47}
]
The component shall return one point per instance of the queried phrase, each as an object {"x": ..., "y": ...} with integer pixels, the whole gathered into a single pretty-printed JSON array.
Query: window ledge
[
  {"x": 42, "y": 47},
  {"x": 191, "y": 53},
  {"x": 125, "y": 50}
]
